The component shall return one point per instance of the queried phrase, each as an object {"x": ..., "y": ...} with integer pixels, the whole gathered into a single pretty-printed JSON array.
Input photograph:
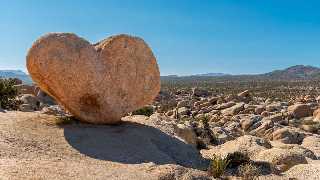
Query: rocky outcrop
[
  {"x": 97, "y": 83},
  {"x": 304, "y": 171},
  {"x": 247, "y": 144}
]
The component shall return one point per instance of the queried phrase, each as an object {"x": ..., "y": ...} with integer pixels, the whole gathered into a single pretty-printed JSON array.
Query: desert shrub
[
  {"x": 64, "y": 120},
  {"x": 237, "y": 158},
  {"x": 186, "y": 119},
  {"x": 8, "y": 94},
  {"x": 217, "y": 166},
  {"x": 248, "y": 171},
  {"x": 205, "y": 120},
  {"x": 147, "y": 111}
]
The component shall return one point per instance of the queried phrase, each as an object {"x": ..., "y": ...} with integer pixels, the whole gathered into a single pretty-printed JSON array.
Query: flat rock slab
[
  {"x": 97, "y": 83},
  {"x": 33, "y": 146}
]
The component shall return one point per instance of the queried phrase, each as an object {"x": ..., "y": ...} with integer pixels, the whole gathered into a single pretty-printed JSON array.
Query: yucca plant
[{"x": 218, "y": 166}]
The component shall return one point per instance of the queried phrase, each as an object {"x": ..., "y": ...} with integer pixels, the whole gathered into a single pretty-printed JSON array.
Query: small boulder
[
  {"x": 29, "y": 103},
  {"x": 299, "y": 110},
  {"x": 259, "y": 109},
  {"x": 184, "y": 103},
  {"x": 53, "y": 110},
  {"x": 245, "y": 93},
  {"x": 250, "y": 145},
  {"x": 198, "y": 92},
  {"x": 25, "y": 89},
  {"x": 312, "y": 143},
  {"x": 186, "y": 133},
  {"x": 304, "y": 171},
  {"x": 233, "y": 110},
  {"x": 184, "y": 111},
  {"x": 26, "y": 108},
  {"x": 249, "y": 121},
  {"x": 281, "y": 159},
  {"x": 288, "y": 136}
]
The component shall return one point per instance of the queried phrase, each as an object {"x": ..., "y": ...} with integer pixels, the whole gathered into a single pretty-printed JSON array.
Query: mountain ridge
[
  {"x": 16, "y": 74},
  {"x": 292, "y": 72},
  {"x": 296, "y": 72}
]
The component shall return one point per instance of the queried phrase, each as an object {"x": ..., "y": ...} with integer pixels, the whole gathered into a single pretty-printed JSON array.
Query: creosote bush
[
  {"x": 218, "y": 166},
  {"x": 147, "y": 111},
  {"x": 248, "y": 171},
  {"x": 8, "y": 94},
  {"x": 64, "y": 120}
]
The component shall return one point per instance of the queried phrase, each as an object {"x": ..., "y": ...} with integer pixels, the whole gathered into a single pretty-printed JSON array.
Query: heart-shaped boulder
[{"x": 97, "y": 83}]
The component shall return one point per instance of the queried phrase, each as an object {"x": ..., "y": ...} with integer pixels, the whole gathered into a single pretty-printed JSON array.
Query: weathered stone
[
  {"x": 273, "y": 107},
  {"x": 97, "y": 83},
  {"x": 276, "y": 117},
  {"x": 282, "y": 159},
  {"x": 184, "y": 103},
  {"x": 288, "y": 136},
  {"x": 233, "y": 110},
  {"x": 304, "y": 171},
  {"x": 249, "y": 121},
  {"x": 261, "y": 130},
  {"x": 221, "y": 134},
  {"x": 186, "y": 133},
  {"x": 245, "y": 93},
  {"x": 265, "y": 114},
  {"x": 45, "y": 98},
  {"x": 184, "y": 111},
  {"x": 312, "y": 143},
  {"x": 250, "y": 145},
  {"x": 31, "y": 100},
  {"x": 25, "y": 89},
  {"x": 259, "y": 109},
  {"x": 299, "y": 110},
  {"x": 225, "y": 105},
  {"x": 316, "y": 115},
  {"x": 26, "y": 108},
  {"x": 198, "y": 92},
  {"x": 53, "y": 110}
]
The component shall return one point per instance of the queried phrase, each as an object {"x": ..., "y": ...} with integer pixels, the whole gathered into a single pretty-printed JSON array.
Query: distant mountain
[
  {"x": 291, "y": 73},
  {"x": 212, "y": 74},
  {"x": 16, "y": 74},
  {"x": 295, "y": 72},
  {"x": 198, "y": 75}
]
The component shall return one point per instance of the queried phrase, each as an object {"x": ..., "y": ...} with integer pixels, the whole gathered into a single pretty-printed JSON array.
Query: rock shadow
[{"x": 132, "y": 143}]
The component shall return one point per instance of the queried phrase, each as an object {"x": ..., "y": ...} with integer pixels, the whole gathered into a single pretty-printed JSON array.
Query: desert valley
[{"x": 198, "y": 127}]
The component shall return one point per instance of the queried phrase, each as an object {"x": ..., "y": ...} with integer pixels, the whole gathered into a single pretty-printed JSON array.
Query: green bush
[
  {"x": 8, "y": 94},
  {"x": 147, "y": 111},
  {"x": 217, "y": 166}
]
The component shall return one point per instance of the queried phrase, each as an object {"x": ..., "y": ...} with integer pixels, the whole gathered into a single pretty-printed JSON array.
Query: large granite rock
[{"x": 97, "y": 83}]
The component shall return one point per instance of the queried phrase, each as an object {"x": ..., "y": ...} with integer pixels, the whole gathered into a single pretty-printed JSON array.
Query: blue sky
[{"x": 187, "y": 37}]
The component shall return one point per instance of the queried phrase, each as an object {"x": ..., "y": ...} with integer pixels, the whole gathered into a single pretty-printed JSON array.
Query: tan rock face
[{"x": 97, "y": 83}]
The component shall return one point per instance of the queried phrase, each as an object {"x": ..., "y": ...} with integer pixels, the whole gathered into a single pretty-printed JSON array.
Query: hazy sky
[{"x": 187, "y": 37}]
